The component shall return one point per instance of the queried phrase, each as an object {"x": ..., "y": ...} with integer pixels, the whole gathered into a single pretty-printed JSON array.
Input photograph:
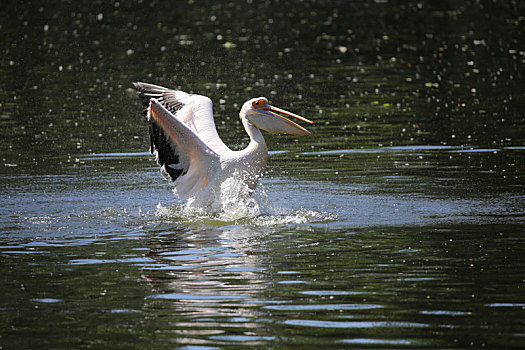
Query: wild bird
[{"x": 188, "y": 149}]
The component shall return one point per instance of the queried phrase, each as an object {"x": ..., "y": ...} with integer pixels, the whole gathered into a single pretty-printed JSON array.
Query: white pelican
[{"x": 185, "y": 142}]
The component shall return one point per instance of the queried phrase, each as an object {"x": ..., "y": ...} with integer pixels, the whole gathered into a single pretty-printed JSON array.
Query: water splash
[
  {"x": 281, "y": 216},
  {"x": 235, "y": 203},
  {"x": 230, "y": 202}
]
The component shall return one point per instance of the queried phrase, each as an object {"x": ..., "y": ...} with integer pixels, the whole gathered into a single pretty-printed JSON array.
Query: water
[{"x": 397, "y": 224}]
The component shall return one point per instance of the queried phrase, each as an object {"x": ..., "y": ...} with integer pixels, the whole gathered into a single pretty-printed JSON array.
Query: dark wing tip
[
  {"x": 165, "y": 96},
  {"x": 146, "y": 92},
  {"x": 165, "y": 150}
]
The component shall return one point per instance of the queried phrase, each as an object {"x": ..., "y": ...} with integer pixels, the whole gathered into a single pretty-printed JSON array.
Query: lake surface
[{"x": 399, "y": 223}]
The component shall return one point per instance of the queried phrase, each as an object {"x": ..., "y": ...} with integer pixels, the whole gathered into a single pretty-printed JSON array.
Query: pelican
[{"x": 187, "y": 147}]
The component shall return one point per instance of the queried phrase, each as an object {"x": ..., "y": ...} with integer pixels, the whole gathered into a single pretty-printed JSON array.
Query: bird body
[{"x": 188, "y": 149}]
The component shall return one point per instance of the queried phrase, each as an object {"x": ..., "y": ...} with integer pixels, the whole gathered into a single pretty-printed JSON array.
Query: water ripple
[
  {"x": 354, "y": 324},
  {"x": 316, "y": 307},
  {"x": 175, "y": 296}
]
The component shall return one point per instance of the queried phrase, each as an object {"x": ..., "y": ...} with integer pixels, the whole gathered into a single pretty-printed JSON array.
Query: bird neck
[
  {"x": 257, "y": 144},
  {"x": 255, "y": 155},
  {"x": 254, "y": 132}
]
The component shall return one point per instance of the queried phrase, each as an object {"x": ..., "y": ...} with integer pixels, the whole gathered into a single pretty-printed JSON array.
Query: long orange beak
[{"x": 268, "y": 119}]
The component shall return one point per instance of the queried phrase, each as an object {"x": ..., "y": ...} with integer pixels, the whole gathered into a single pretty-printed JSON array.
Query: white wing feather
[
  {"x": 195, "y": 111},
  {"x": 198, "y": 161}
]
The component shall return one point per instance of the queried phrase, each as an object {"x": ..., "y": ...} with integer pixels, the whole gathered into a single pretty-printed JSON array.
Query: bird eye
[{"x": 258, "y": 104}]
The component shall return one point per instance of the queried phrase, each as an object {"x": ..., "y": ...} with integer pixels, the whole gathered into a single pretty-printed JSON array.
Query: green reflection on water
[{"x": 368, "y": 74}]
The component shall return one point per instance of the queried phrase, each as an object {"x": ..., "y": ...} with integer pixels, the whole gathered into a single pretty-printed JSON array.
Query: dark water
[{"x": 398, "y": 224}]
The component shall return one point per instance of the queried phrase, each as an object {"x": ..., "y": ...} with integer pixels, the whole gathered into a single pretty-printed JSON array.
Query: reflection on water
[
  {"x": 350, "y": 262},
  {"x": 222, "y": 286},
  {"x": 397, "y": 224}
]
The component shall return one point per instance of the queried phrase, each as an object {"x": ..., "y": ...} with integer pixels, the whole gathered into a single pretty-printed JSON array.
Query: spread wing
[
  {"x": 180, "y": 152},
  {"x": 195, "y": 111}
]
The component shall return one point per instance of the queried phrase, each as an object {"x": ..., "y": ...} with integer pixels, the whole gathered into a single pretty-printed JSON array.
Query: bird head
[{"x": 270, "y": 118}]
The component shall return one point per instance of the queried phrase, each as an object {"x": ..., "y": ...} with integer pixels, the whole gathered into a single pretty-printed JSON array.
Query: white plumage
[{"x": 188, "y": 148}]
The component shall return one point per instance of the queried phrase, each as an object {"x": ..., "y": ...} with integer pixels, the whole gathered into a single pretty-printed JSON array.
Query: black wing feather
[
  {"x": 166, "y": 151},
  {"x": 163, "y": 95}
]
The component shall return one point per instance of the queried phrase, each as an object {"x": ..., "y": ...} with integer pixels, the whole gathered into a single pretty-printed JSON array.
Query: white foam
[{"x": 236, "y": 203}]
